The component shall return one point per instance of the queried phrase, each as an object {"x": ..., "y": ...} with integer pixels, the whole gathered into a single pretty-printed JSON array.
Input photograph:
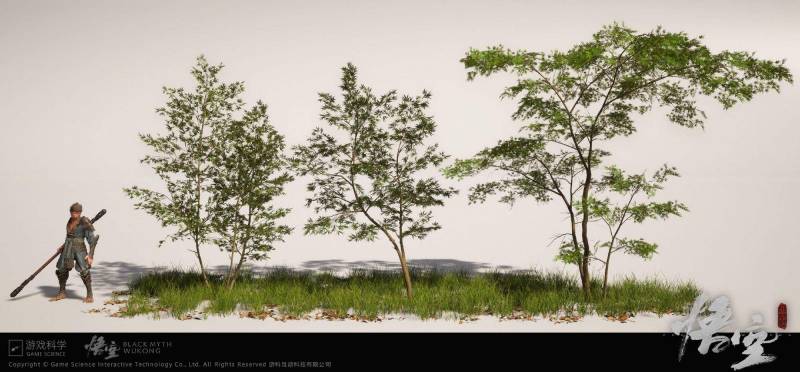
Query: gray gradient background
[{"x": 79, "y": 80}]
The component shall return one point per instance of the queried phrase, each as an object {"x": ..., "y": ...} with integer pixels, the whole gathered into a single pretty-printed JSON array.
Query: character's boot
[
  {"x": 62, "y": 285},
  {"x": 87, "y": 281}
]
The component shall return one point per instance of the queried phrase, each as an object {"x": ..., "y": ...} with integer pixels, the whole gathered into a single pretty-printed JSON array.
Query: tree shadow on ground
[
  {"x": 441, "y": 265},
  {"x": 337, "y": 266}
]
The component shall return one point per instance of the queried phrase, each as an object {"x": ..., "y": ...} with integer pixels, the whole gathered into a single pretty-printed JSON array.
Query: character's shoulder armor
[{"x": 86, "y": 223}]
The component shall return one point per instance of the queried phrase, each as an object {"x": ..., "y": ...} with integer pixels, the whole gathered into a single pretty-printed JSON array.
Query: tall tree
[
  {"x": 571, "y": 102},
  {"x": 180, "y": 156},
  {"x": 248, "y": 173},
  {"x": 366, "y": 170}
]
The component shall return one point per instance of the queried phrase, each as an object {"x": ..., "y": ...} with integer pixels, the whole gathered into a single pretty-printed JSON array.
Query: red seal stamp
[{"x": 782, "y": 316}]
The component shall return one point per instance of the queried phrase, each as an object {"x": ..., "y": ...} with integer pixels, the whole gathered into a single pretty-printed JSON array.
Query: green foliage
[
  {"x": 588, "y": 93},
  {"x": 567, "y": 253},
  {"x": 638, "y": 247},
  {"x": 533, "y": 171},
  {"x": 634, "y": 193},
  {"x": 622, "y": 66},
  {"x": 570, "y": 102},
  {"x": 219, "y": 165},
  {"x": 180, "y": 155},
  {"x": 365, "y": 169},
  {"x": 248, "y": 174}
]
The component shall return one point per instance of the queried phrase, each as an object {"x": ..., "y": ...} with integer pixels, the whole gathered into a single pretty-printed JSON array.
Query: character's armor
[{"x": 74, "y": 254}]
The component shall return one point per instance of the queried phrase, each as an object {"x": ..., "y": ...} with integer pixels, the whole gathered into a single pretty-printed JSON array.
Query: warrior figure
[{"x": 74, "y": 253}]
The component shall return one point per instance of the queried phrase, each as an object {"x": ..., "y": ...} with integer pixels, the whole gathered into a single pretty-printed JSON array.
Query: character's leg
[
  {"x": 83, "y": 268},
  {"x": 63, "y": 266},
  {"x": 62, "y": 284},
  {"x": 87, "y": 281}
]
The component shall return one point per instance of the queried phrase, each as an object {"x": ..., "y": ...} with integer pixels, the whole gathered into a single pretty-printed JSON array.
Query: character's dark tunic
[{"x": 75, "y": 248}]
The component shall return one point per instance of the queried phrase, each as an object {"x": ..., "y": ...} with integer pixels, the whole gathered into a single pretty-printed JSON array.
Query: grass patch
[{"x": 370, "y": 294}]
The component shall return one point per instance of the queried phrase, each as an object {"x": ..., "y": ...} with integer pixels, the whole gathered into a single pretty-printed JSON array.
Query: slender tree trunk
[
  {"x": 242, "y": 250},
  {"x": 585, "y": 231},
  {"x": 233, "y": 281},
  {"x": 406, "y": 273},
  {"x": 614, "y": 239},
  {"x": 233, "y": 250},
  {"x": 243, "y": 254},
  {"x": 200, "y": 259},
  {"x": 237, "y": 270},
  {"x": 199, "y": 196},
  {"x": 605, "y": 276},
  {"x": 197, "y": 238},
  {"x": 575, "y": 240}
]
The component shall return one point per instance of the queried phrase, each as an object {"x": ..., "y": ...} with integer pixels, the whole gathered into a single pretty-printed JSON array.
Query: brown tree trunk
[
  {"x": 200, "y": 259},
  {"x": 585, "y": 233},
  {"x": 199, "y": 196},
  {"x": 235, "y": 276},
  {"x": 232, "y": 279},
  {"x": 406, "y": 273},
  {"x": 605, "y": 276},
  {"x": 233, "y": 249},
  {"x": 238, "y": 268},
  {"x": 575, "y": 240}
]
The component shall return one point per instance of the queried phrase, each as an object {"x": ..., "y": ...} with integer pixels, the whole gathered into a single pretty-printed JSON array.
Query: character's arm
[{"x": 91, "y": 237}]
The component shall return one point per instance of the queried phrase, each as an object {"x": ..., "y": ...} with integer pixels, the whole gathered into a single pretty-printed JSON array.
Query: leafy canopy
[
  {"x": 367, "y": 166},
  {"x": 248, "y": 174},
  {"x": 180, "y": 156}
]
